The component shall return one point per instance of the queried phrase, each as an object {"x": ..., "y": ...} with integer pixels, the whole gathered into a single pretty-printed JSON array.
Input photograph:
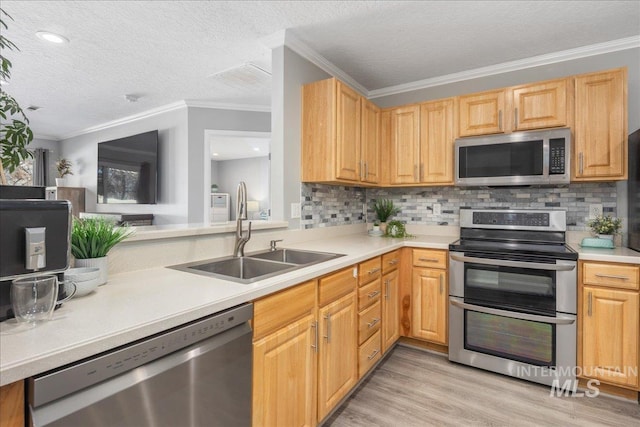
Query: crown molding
[
  {"x": 288, "y": 39},
  {"x": 534, "y": 61},
  {"x": 227, "y": 106},
  {"x": 45, "y": 136},
  {"x": 129, "y": 119}
]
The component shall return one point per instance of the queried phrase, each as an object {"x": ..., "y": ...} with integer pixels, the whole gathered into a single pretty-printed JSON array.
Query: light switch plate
[
  {"x": 437, "y": 209},
  {"x": 295, "y": 210},
  {"x": 594, "y": 211}
]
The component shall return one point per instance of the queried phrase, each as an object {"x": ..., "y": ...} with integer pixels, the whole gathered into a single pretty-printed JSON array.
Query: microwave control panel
[{"x": 556, "y": 156}]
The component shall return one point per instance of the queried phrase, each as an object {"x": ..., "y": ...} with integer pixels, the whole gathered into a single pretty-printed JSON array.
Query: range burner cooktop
[{"x": 520, "y": 232}]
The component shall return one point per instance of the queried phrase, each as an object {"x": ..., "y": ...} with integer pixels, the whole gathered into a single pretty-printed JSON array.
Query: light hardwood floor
[{"x": 415, "y": 388}]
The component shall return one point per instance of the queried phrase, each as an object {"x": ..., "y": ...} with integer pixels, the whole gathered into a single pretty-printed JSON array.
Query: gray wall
[
  {"x": 173, "y": 169},
  {"x": 201, "y": 119},
  {"x": 253, "y": 171},
  {"x": 289, "y": 72}
]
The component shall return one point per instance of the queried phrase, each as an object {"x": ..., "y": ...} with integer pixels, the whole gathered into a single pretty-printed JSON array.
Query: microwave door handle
[
  {"x": 516, "y": 264},
  {"x": 512, "y": 314}
]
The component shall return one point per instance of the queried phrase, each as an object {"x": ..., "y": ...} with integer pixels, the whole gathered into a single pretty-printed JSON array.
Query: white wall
[{"x": 54, "y": 154}]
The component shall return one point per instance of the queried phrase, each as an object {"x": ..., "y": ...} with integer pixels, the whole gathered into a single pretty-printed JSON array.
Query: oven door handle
[
  {"x": 512, "y": 314},
  {"x": 517, "y": 264}
]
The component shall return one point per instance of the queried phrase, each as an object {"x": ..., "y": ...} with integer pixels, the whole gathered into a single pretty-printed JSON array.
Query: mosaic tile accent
[
  {"x": 330, "y": 205},
  {"x": 327, "y": 205},
  {"x": 416, "y": 204}
]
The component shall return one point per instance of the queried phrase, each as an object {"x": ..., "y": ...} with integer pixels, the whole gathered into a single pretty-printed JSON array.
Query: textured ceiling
[{"x": 167, "y": 51}]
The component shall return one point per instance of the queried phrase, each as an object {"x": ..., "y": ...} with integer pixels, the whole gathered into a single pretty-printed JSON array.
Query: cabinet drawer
[
  {"x": 335, "y": 285},
  {"x": 369, "y": 322},
  {"x": 275, "y": 311},
  {"x": 369, "y": 353},
  {"x": 369, "y": 294},
  {"x": 369, "y": 270},
  {"x": 390, "y": 261},
  {"x": 611, "y": 275},
  {"x": 429, "y": 258}
]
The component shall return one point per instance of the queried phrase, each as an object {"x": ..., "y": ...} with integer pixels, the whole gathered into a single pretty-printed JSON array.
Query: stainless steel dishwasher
[{"x": 198, "y": 374}]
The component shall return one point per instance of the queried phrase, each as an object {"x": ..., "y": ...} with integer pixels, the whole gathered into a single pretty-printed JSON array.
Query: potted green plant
[
  {"x": 397, "y": 229},
  {"x": 384, "y": 209},
  {"x": 91, "y": 241},
  {"x": 15, "y": 133},
  {"x": 606, "y": 227},
  {"x": 64, "y": 168}
]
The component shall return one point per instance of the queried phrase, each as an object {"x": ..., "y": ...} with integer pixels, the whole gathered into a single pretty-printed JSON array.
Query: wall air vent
[{"x": 33, "y": 108}]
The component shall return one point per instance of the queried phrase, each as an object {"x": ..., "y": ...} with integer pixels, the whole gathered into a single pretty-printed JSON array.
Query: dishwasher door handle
[{"x": 70, "y": 404}]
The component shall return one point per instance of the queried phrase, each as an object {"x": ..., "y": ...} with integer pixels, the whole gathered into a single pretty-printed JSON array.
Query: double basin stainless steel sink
[{"x": 257, "y": 266}]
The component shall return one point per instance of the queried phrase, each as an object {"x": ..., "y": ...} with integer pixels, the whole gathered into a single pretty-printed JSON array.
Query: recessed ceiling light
[
  {"x": 215, "y": 154},
  {"x": 52, "y": 37},
  {"x": 256, "y": 148}
]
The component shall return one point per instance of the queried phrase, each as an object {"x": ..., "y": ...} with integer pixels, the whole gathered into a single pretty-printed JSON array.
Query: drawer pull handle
[
  {"x": 393, "y": 261},
  {"x": 611, "y": 276},
  {"x": 373, "y": 322},
  {"x": 428, "y": 259},
  {"x": 314, "y": 325},
  {"x": 372, "y": 355},
  {"x": 374, "y": 271},
  {"x": 328, "y": 336},
  {"x": 386, "y": 289},
  {"x": 589, "y": 307},
  {"x": 373, "y": 294}
]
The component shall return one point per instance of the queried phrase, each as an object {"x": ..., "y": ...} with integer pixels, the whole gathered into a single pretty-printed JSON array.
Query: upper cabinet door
[
  {"x": 436, "y": 142},
  {"x": 482, "y": 113},
  {"x": 600, "y": 130},
  {"x": 370, "y": 142},
  {"x": 348, "y": 134},
  {"x": 405, "y": 144},
  {"x": 540, "y": 105}
]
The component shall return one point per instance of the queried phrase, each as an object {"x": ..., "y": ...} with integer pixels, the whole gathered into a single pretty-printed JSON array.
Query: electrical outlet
[
  {"x": 437, "y": 209},
  {"x": 594, "y": 211},
  {"x": 364, "y": 209},
  {"x": 295, "y": 210}
]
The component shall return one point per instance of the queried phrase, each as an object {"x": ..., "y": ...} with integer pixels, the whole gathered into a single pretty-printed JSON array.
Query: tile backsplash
[{"x": 327, "y": 205}]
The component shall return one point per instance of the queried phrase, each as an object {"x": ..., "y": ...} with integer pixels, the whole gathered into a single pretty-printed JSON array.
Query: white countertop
[
  {"x": 624, "y": 255},
  {"x": 138, "y": 304}
]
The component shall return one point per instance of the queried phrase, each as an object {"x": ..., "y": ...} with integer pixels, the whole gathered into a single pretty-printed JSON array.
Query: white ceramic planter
[
  {"x": 101, "y": 263},
  {"x": 61, "y": 182}
]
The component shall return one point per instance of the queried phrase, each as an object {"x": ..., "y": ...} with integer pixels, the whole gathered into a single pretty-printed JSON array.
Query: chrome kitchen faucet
[{"x": 241, "y": 213}]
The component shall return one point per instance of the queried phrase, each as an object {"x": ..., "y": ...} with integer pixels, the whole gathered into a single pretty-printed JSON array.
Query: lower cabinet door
[
  {"x": 390, "y": 310},
  {"x": 338, "y": 361},
  {"x": 284, "y": 376},
  {"x": 429, "y": 305},
  {"x": 610, "y": 332}
]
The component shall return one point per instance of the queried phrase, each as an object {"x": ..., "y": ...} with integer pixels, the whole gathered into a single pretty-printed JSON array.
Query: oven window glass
[
  {"x": 527, "y": 290},
  {"x": 515, "y": 339},
  {"x": 508, "y": 159}
]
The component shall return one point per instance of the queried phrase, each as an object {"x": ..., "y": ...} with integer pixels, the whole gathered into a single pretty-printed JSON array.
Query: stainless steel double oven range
[{"x": 512, "y": 294}]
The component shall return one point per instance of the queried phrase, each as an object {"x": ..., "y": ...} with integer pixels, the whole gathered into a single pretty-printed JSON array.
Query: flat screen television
[{"x": 128, "y": 170}]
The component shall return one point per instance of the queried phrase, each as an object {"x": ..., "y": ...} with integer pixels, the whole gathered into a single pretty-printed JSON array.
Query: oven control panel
[{"x": 521, "y": 219}]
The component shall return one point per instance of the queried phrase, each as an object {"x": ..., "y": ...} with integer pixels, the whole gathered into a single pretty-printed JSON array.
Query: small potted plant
[
  {"x": 384, "y": 209},
  {"x": 397, "y": 229},
  {"x": 606, "y": 227},
  {"x": 92, "y": 239},
  {"x": 64, "y": 168}
]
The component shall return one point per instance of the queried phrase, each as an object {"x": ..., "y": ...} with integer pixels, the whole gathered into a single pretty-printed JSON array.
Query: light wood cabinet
[
  {"x": 338, "y": 352},
  {"x": 340, "y": 135},
  {"x": 370, "y": 142},
  {"x": 600, "y": 132},
  {"x": 390, "y": 310},
  {"x": 285, "y": 370},
  {"x": 12, "y": 405},
  {"x": 429, "y": 305},
  {"x": 609, "y": 318},
  {"x": 405, "y": 144},
  {"x": 482, "y": 113},
  {"x": 421, "y": 143},
  {"x": 436, "y": 142},
  {"x": 541, "y": 105},
  {"x": 285, "y": 358}
]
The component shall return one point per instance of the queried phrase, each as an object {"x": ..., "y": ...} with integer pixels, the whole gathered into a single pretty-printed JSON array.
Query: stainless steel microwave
[{"x": 521, "y": 158}]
